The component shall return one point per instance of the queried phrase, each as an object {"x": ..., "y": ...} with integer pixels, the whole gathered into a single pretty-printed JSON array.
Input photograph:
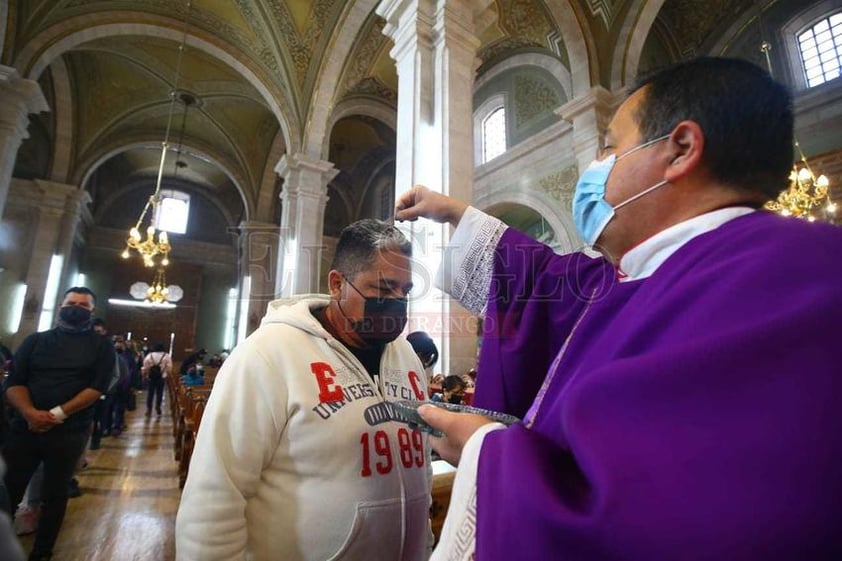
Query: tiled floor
[{"x": 129, "y": 497}]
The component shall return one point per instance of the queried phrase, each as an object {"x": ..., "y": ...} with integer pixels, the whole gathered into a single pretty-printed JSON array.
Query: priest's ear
[{"x": 687, "y": 143}]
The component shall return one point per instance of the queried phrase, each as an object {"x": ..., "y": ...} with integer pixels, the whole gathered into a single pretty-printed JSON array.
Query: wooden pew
[
  {"x": 443, "y": 475},
  {"x": 191, "y": 428}
]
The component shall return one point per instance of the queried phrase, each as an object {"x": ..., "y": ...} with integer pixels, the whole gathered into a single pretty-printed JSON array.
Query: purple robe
[{"x": 692, "y": 415}]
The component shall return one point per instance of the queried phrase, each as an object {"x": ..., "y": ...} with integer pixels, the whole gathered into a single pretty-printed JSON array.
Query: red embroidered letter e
[{"x": 324, "y": 376}]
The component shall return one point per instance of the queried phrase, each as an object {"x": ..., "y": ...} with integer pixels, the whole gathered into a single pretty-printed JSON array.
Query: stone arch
[
  {"x": 90, "y": 165},
  {"x": 373, "y": 176},
  {"x": 541, "y": 60},
  {"x": 55, "y": 41},
  {"x": 319, "y": 112},
  {"x": 118, "y": 193},
  {"x": 63, "y": 112},
  {"x": 560, "y": 222},
  {"x": 359, "y": 106},
  {"x": 635, "y": 29},
  {"x": 4, "y": 14},
  {"x": 268, "y": 196},
  {"x": 580, "y": 45}
]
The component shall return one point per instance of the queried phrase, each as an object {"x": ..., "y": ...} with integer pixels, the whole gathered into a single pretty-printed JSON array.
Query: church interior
[{"x": 253, "y": 131}]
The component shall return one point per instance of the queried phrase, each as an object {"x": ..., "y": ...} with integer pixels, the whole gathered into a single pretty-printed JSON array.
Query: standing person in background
[
  {"x": 299, "y": 458},
  {"x": 115, "y": 415},
  {"x": 56, "y": 377},
  {"x": 103, "y": 405},
  {"x": 10, "y": 549},
  {"x": 156, "y": 367}
]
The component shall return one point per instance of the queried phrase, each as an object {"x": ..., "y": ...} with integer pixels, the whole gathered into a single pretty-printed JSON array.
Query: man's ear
[
  {"x": 334, "y": 283},
  {"x": 687, "y": 142}
]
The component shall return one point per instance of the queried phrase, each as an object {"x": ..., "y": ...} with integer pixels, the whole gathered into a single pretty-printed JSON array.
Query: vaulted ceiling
[{"x": 264, "y": 73}]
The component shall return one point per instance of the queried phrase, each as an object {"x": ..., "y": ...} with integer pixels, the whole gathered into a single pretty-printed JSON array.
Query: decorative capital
[
  {"x": 304, "y": 175},
  {"x": 26, "y": 93},
  {"x": 597, "y": 99}
]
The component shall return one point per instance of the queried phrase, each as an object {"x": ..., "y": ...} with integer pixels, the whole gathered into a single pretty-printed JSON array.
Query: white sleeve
[
  {"x": 466, "y": 269},
  {"x": 241, "y": 427},
  {"x": 458, "y": 536}
]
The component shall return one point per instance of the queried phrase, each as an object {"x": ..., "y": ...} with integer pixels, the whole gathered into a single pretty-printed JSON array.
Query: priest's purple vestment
[{"x": 692, "y": 415}]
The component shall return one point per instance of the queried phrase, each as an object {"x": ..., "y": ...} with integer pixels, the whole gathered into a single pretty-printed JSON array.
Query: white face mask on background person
[{"x": 591, "y": 212}]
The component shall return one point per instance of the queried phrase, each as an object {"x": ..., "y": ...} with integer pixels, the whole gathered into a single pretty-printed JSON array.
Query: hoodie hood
[{"x": 297, "y": 312}]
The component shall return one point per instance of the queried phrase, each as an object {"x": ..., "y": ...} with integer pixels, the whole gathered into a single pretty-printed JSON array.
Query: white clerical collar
[{"x": 642, "y": 260}]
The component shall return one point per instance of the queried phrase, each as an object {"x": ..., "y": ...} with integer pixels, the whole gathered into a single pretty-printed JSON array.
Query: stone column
[
  {"x": 20, "y": 98},
  {"x": 304, "y": 198},
  {"x": 435, "y": 54},
  {"x": 589, "y": 114},
  {"x": 258, "y": 251},
  {"x": 49, "y": 240},
  {"x": 74, "y": 207}
]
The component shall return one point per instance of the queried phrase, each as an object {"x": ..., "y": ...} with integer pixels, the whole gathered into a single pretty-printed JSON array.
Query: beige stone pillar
[
  {"x": 589, "y": 114},
  {"x": 258, "y": 251},
  {"x": 435, "y": 54},
  {"x": 57, "y": 211},
  {"x": 304, "y": 198},
  {"x": 20, "y": 98},
  {"x": 74, "y": 207}
]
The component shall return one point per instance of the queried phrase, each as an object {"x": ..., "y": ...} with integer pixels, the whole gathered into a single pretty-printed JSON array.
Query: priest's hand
[
  {"x": 457, "y": 429},
  {"x": 421, "y": 202}
]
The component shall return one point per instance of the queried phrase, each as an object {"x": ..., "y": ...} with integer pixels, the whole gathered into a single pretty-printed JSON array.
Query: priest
[{"x": 679, "y": 394}]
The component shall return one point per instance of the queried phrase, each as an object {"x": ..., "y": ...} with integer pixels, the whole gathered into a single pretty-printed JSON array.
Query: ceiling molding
[
  {"x": 634, "y": 30},
  {"x": 350, "y": 25},
  {"x": 93, "y": 162},
  {"x": 55, "y": 41}
]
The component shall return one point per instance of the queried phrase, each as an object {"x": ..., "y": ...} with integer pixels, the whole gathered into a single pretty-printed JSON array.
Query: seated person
[
  {"x": 195, "y": 358},
  {"x": 470, "y": 378},
  {"x": 452, "y": 390},
  {"x": 193, "y": 377}
]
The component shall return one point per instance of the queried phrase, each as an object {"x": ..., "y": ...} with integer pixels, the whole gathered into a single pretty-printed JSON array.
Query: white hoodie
[{"x": 287, "y": 467}]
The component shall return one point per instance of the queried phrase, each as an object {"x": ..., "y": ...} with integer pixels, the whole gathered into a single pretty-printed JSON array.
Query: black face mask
[
  {"x": 455, "y": 399},
  {"x": 74, "y": 316},
  {"x": 383, "y": 319}
]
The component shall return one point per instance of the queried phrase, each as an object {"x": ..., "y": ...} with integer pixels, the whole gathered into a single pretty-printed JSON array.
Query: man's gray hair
[{"x": 361, "y": 242}]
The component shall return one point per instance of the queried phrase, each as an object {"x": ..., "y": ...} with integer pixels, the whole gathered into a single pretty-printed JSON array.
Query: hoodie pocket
[{"x": 377, "y": 532}]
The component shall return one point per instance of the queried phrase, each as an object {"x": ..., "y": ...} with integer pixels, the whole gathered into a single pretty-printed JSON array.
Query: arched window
[
  {"x": 494, "y": 134},
  {"x": 173, "y": 212},
  {"x": 820, "y": 48}
]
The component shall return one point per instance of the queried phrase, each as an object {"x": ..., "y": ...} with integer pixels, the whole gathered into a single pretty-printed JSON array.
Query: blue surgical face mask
[{"x": 591, "y": 212}]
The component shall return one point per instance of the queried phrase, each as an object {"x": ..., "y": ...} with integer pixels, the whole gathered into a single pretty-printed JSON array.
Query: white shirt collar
[{"x": 642, "y": 260}]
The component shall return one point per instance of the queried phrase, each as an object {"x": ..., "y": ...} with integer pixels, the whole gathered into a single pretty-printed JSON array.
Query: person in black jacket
[
  {"x": 57, "y": 375},
  {"x": 195, "y": 358}
]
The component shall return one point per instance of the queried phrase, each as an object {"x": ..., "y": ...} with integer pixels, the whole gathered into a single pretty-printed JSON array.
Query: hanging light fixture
[
  {"x": 159, "y": 292},
  {"x": 807, "y": 196},
  {"x": 155, "y": 250}
]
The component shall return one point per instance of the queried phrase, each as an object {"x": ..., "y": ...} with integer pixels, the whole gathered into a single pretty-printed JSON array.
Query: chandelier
[
  {"x": 807, "y": 195},
  {"x": 159, "y": 292},
  {"x": 155, "y": 250}
]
